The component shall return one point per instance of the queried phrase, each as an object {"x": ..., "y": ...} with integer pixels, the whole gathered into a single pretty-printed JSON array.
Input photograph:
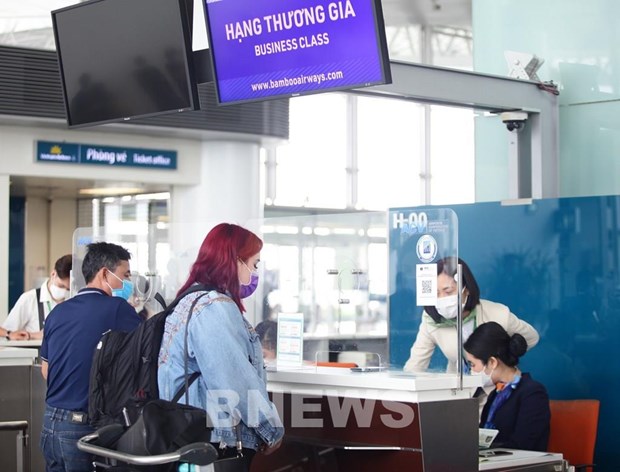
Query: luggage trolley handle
[
  {"x": 22, "y": 440},
  {"x": 199, "y": 453}
]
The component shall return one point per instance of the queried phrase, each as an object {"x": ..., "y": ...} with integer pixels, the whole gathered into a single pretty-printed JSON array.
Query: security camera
[{"x": 514, "y": 120}]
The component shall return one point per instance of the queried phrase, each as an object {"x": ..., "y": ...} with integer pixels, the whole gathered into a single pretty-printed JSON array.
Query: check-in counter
[
  {"x": 32, "y": 343},
  {"x": 22, "y": 395},
  {"x": 13, "y": 356},
  {"x": 336, "y": 419}
]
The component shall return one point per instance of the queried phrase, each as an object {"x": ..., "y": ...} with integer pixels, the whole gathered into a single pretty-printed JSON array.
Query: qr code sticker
[{"x": 427, "y": 286}]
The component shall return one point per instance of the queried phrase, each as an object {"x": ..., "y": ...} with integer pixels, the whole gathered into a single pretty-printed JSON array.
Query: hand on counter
[
  {"x": 35, "y": 335},
  {"x": 18, "y": 335}
]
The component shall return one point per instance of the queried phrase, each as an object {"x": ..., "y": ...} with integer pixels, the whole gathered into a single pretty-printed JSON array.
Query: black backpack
[{"x": 123, "y": 376}]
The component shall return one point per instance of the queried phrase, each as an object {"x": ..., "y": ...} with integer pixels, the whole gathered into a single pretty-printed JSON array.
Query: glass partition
[
  {"x": 330, "y": 268},
  {"x": 161, "y": 257},
  {"x": 350, "y": 276},
  {"x": 425, "y": 272},
  {"x": 333, "y": 270}
]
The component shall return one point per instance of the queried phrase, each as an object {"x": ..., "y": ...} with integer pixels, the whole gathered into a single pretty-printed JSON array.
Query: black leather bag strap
[
  {"x": 160, "y": 299},
  {"x": 184, "y": 388},
  {"x": 40, "y": 307}
]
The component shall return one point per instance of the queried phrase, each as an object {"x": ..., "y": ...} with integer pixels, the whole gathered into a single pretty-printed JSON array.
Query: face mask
[
  {"x": 247, "y": 290},
  {"x": 58, "y": 293},
  {"x": 487, "y": 380},
  {"x": 447, "y": 306},
  {"x": 125, "y": 291}
]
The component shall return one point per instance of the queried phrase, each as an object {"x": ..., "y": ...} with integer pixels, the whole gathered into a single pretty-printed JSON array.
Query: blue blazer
[{"x": 523, "y": 421}]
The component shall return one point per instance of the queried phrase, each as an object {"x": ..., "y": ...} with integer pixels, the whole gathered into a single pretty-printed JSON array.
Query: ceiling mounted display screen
[
  {"x": 123, "y": 59},
  {"x": 272, "y": 49}
]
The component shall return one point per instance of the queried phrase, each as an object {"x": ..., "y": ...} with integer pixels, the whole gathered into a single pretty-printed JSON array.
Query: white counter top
[
  {"x": 335, "y": 337},
  {"x": 31, "y": 343},
  {"x": 386, "y": 385},
  {"x": 11, "y": 356}
]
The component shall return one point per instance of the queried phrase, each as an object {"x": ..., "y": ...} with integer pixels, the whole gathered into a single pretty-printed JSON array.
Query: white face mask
[
  {"x": 448, "y": 306},
  {"x": 487, "y": 380},
  {"x": 58, "y": 293}
]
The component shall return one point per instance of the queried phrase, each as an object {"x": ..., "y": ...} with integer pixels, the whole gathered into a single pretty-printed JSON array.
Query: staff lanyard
[{"x": 466, "y": 368}]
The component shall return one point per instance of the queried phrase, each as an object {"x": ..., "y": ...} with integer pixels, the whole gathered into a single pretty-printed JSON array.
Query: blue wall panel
[
  {"x": 17, "y": 216},
  {"x": 556, "y": 264}
]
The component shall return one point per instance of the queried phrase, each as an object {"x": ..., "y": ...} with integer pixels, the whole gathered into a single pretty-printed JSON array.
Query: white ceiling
[
  {"x": 20, "y": 19},
  {"x": 427, "y": 12},
  {"x": 30, "y": 9},
  {"x": 28, "y": 23}
]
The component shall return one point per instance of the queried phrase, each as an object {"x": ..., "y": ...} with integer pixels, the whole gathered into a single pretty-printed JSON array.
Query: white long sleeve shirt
[
  {"x": 25, "y": 313},
  {"x": 445, "y": 337}
]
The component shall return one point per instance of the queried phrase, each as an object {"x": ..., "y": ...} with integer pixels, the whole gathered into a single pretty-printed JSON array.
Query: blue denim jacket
[{"x": 224, "y": 347}]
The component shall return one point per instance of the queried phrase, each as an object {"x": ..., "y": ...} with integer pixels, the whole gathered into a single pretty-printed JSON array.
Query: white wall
[
  {"x": 36, "y": 247},
  {"x": 63, "y": 221},
  {"x": 229, "y": 192},
  {"x": 48, "y": 231}
]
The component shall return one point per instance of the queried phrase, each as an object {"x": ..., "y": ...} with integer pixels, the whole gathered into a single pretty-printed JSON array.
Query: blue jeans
[{"x": 59, "y": 442}]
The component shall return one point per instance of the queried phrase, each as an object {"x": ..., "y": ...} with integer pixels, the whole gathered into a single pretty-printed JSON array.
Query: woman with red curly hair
[{"x": 221, "y": 345}]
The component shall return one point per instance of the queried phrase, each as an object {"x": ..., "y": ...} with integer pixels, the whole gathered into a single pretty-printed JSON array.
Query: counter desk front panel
[
  {"x": 22, "y": 398},
  {"x": 334, "y": 427}
]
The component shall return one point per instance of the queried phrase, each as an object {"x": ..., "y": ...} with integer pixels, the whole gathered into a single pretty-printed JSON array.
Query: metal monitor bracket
[{"x": 534, "y": 169}]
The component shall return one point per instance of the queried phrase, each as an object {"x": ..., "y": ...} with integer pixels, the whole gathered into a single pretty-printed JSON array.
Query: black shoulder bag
[{"x": 165, "y": 426}]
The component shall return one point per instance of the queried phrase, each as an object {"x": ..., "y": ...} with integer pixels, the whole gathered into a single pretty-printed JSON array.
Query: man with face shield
[
  {"x": 27, "y": 318},
  {"x": 439, "y": 322}
]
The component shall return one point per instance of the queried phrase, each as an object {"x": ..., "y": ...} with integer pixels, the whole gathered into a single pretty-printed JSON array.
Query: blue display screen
[{"x": 273, "y": 48}]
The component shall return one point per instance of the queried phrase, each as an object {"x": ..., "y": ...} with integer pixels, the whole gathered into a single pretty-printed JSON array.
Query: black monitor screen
[{"x": 121, "y": 59}]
